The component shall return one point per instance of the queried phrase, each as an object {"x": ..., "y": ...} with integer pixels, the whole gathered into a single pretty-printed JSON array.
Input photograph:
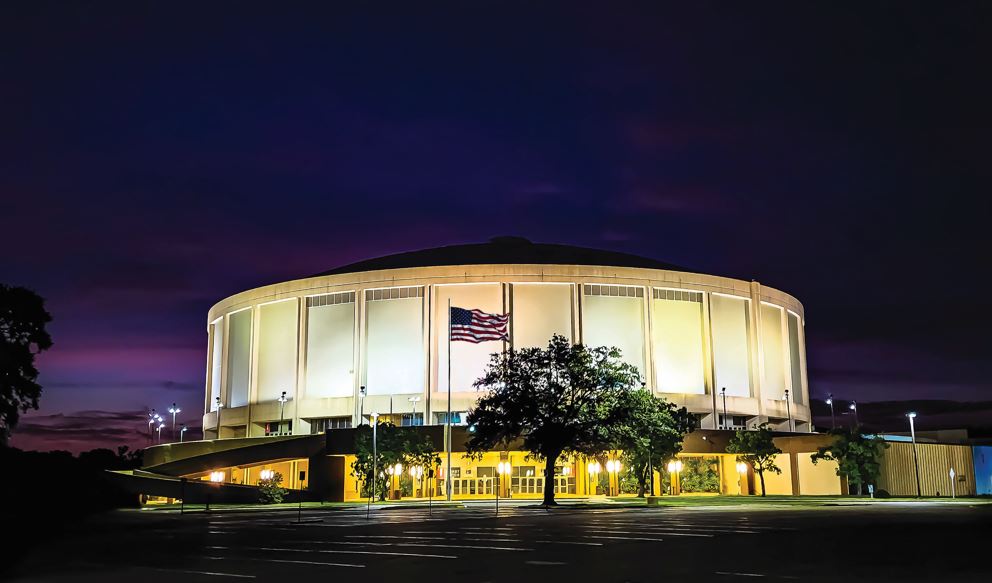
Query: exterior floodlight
[
  {"x": 398, "y": 469},
  {"x": 741, "y": 468},
  {"x": 182, "y": 431},
  {"x": 911, "y": 415},
  {"x": 594, "y": 468},
  {"x": 566, "y": 471},
  {"x": 675, "y": 466},
  {"x": 217, "y": 476}
]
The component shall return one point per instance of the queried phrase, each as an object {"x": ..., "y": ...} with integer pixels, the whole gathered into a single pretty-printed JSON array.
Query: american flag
[{"x": 477, "y": 326}]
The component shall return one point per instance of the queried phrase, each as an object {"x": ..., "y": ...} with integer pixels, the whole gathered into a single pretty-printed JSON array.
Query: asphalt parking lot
[{"x": 880, "y": 542}]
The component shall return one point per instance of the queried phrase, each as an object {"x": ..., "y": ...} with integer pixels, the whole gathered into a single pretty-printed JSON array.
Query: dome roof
[{"x": 502, "y": 250}]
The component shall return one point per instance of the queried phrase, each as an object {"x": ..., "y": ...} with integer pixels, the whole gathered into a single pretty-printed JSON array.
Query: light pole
[
  {"x": 282, "y": 409},
  {"x": 502, "y": 469},
  {"x": 741, "y": 471},
  {"x": 373, "y": 417},
  {"x": 953, "y": 493},
  {"x": 219, "y": 407},
  {"x": 361, "y": 404},
  {"x": 182, "y": 431},
  {"x": 151, "y": 421},
  {"x": 414, "y": 401},
  {"x": 674, "y": 467},
  {"x": 830, "y": 401},
  {"x": 159, "y": 430},
  {"x": 417, "y": 473},
  {"x": 593, "y": 472},
  {"x": 723, "y": 393},
  {"x": 916, "y": 460},
  {"x": 174, "y": 410},
  {"x": 613, "y": 467},
  {"x": 788, "y": 409},
  {"x": 854, "y": 407}
]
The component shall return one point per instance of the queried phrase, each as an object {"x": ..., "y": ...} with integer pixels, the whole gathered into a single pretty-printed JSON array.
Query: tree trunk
[
  {"x": 549, "y": 479},
  {"x": 761, "y": 476}
]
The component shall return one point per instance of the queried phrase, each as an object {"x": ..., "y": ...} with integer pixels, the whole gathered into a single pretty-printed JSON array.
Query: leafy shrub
[{"x": 270, "y": 490}]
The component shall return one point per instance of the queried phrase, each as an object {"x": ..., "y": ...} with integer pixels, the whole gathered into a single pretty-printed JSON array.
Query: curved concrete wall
[{"x": 706, "y": 342}]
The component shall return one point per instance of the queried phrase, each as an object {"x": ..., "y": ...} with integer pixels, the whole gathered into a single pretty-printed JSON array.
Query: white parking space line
[
  {"x": 340, "y": 552},
  {"x": 446, "y": 546},
  {"x": 208, "y": 573},
  {"x": 627, "y": 538},
  {"x": 296, "y": 562},
  {"x": 563, "y": 542}
]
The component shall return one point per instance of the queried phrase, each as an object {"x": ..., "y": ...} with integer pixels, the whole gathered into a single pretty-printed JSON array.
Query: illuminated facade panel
[
  {"x": 394, "y": 328},
  {"x": 795, "y": 358},
  {"x": 731, "y": 347},
  {"x": 468, "y": 360},
  {"x": 540, "y": 310},
  {"x": 216, "y": 364},
  {"x": 330, "y": 356},
  {"x": 238, "y": 358},
  {"x": 277, "y": 355},
  {"x": 612, "y": 319},
  {"x": 677, "y": 335},
  {"x": 773, "y": 377}
]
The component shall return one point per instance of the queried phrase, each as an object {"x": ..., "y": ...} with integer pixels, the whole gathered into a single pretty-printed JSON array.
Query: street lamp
[
  {"x": 594, "y": 469},
  {"x": 674, "y": 467},
  {"x": 159, "y": 430},
  {"x": 723, "y": 393},
  {"x": 219, "y": 407},
  {"x": 151, "y": 420},
  {"x": 374, "y": 417},
  {"x": 613, "y": 467},
  {"x": 741, "y": 471},
  {"x": 174, "y": 410},
  {"x": 395, "y": 470},
  {"x": 502, "y": 469},
  {"x": 916, "y": 460},
  {"x": 788, "y": 409},
  {"x": 830, "y": 401},
  {"x": 854, "y": 407},
  {"x": 416, "y": 474},
  {"x": 282, "y": 409},
  {"x": 361, "y": 404},
  {"x": 182, "y": 430},
  {"x": 414, "y": 401}
]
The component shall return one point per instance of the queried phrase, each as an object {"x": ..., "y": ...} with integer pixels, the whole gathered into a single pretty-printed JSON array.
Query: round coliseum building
[{"x": 308, "y": 355}]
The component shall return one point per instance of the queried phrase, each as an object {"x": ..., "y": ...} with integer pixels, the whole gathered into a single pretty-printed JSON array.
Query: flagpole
[{"x": 447, "y": 444}]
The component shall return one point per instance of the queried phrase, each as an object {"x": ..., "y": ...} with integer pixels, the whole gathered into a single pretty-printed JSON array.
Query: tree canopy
[
  {"x": 393, "y": 445},
  {"x": 757, "y": 449},
  {"x": 857, "y": 455},
  {"x": 22, "y": 336},
  {"x": 650, "y": 432},
  {"x": 565, "y": 398}
]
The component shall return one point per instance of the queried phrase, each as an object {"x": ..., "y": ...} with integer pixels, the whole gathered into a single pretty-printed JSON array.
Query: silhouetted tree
[
  {"x": 758, "y": 449},
  {"x": 22, "y": 336},
  {"x": 562, "y": 399},
  {"x": 857, "y": 455},
  {"x": 650, "y": 431}
]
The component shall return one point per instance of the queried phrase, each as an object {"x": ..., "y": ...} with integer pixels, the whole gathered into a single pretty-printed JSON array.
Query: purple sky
[{"x": 154, "y": 160}]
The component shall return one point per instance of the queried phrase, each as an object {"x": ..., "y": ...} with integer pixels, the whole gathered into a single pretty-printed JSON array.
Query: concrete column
[
  {"x": 757, "y": 355},
  {"x": 794, "y": 471}
]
